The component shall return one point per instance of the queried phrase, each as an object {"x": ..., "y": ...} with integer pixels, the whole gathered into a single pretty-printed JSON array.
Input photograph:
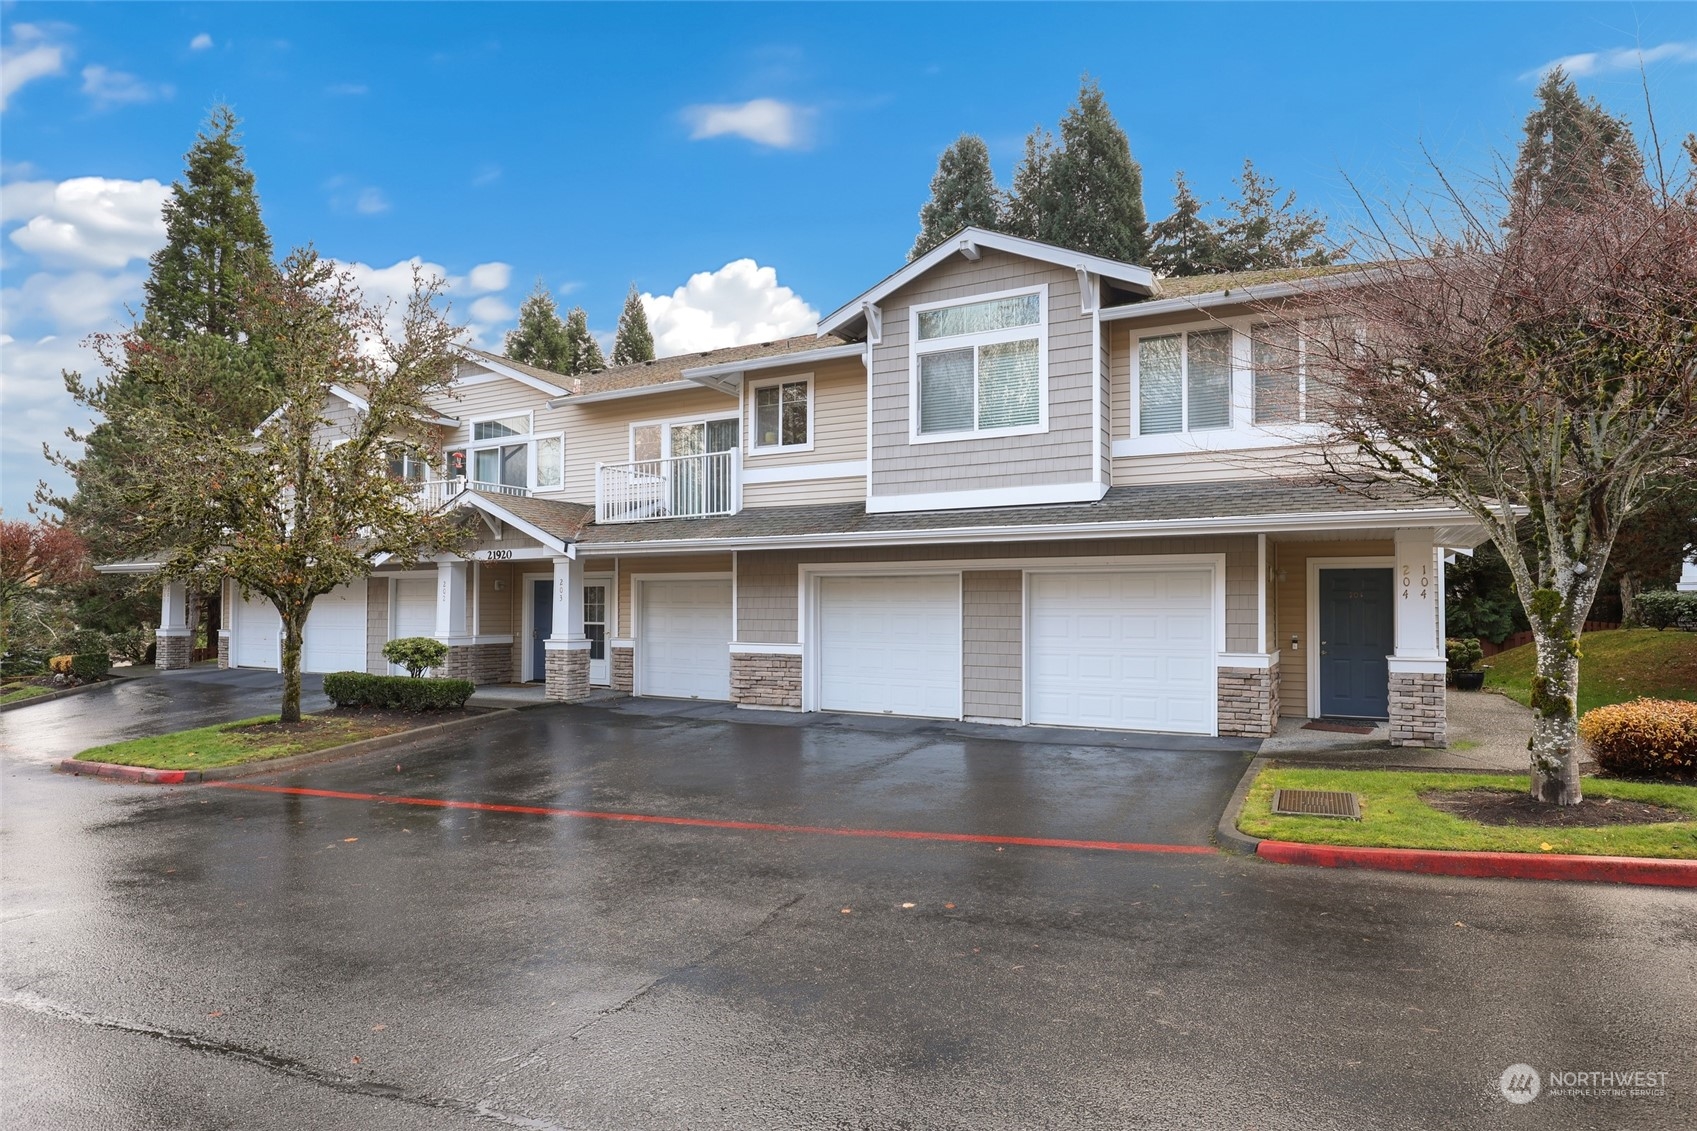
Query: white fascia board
[
  {"x": 1138, "y": 278},
  {"x": 351, "y": 397},
  {"x": 471, "y": 499},
  {"x": 624, "y": 394},
  {"x": 521, "y": 377},
  {"x": 130, "y": 567},
  {"x": 1192, "y": 527},
  {"x": 1236, "y": 296},
  {"x": 733, "y": 370}
]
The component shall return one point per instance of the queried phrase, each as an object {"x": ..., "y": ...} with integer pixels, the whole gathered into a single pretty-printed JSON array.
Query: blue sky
[{"x": 594, "y": 146}]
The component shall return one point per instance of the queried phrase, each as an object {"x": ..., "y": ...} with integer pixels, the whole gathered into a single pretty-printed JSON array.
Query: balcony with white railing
[
  {"x": 436, "y": 492},
  {"x": 675, "y": 487}
]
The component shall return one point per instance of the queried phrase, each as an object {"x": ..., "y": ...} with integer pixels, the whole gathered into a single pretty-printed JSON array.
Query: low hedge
[
  {"x": 1646, "y": 738},
  {"x": 396, "y": 692},
  {"x": 84, "y": 667},
  {"x": 1665, "y": 608}
]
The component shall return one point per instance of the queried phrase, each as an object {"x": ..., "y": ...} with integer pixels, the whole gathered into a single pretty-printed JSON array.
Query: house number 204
[{"x": 1408, "y": 581}]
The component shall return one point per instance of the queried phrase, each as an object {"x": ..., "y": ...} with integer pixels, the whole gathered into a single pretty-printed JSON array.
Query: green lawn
[
  {"x": 17, "y": 693},
  {"x": 1613, "y": 667},
  {"x": 232, "y": 743},
  {"x": 1393, "y": 816}
]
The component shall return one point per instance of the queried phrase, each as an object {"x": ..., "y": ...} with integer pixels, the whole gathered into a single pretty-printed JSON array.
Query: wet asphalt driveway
[{"x": 334, "y": 956}]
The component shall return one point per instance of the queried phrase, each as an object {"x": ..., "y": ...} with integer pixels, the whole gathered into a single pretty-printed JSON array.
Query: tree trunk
[
  {"x": 293, "y": 625},
  {"x": 1555, "y": 733},
  {"x": 1628, "y": 594}
]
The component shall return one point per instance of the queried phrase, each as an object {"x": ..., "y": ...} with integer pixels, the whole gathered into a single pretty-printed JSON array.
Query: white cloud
[
  {"x": 1589, "y": 63},
  {"x": 86, "y": 221},
  {"x": 764, "y": 121},
  {"x": 371, "y": 201},
  {"x": 485, "y": 316},
  {"x": 492, "y": 308},
  {"x": 486, "y": 176},
  {"x": 107, "y": 88},
  {"x": 739, "y": 304},
  {"x": 347, "y": 89},
  {"x": 31, "y": 55},
  {"x": 200, "y": 42},
  {"x": 488, "y": 277}
]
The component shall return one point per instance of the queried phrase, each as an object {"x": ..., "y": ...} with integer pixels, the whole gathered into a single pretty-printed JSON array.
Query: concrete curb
[
  {"x": 1226, "y": 833},
  {"x": 146, "y": 776},
  {"x": 1503, "y": 865},
  {"x": 62, "y": 693}
]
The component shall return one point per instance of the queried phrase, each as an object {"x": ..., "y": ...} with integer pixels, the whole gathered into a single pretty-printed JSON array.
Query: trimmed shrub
[
  {"x": 416, "y": 653},
  {"x": 1646, "y": 738},
  {"x": 1665, "y": 608},
  {"x": 24, "y": 660},
  {"x": 396, "y": 692},
  {"x": 90, "y": 666},
  {"x": 1464, "y": 654}
]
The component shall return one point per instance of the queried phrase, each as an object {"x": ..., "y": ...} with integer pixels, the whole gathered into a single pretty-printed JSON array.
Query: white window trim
[
  {"x": 753, "y": 445},
  {"x": 1233, "y": 409},
  {"x": 527, "y": 438},
  {"x": 963, "y": 341},
  {"x": 666, "y": 424}
]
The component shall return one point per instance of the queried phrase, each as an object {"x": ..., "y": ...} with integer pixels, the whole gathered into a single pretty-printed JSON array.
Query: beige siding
[
  {"x": 812, "y": 491},
  {"x": 839, "y": 416},
  {"x": 376, "y": 624},
  {"x": 767, "y": 580},
  {"x": 1214, "y": 467},
  {"x": 992, "y": 632},
  {"x": 339, "y": 419},
  {"x": 1064, "y": 454},
  {"x": 496, "y": 615},
  {"x": 629, "y": 566},
  {"x": 599, "y": 432},
  {"x": 1289, "y": 560}
]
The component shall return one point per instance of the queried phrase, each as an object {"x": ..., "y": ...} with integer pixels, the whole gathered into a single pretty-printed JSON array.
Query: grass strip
[{"x": 230, "y": 744}]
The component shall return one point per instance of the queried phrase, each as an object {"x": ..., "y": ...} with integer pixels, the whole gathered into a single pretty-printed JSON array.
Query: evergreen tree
[
  {"x": 1263, "y": 229},
  {"x": 634, "y": 341},
  {"x": 1097, "y": 187},
  {"x": 963, "y": 195},
  {"x": 540, "y": 338},
  {"x": 1184, "y": 243},
  {"x": 1031, "y": 201},
  {"x": 583, "y": 353},
  {"x": 1573, "y": 150}
]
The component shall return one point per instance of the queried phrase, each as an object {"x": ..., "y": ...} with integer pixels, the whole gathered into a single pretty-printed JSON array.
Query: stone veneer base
[
  {"x": 1248, "y": 702},
  {"x": 763, "y": 679},
  {"x": 480, "y": 663},
  {"x": 623, "y": 669},
  {"x": 1417, "y": 709},
  {"x": 223, "y": 649},
  {"x": 568, "y": 674},
  {"x": 172, "y": 652}
]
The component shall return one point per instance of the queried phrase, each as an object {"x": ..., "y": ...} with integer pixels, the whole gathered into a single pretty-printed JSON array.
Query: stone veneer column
[
  {"x": 766, "y": 676},
  {"x": 223, "y": 647},
  {"x": 566, "y": 652},
  {"x": 174, "y": 644},
  {"x": 568, "y": 670},
  {"x": 1417, "y": 707},
  {"x": 1418, "y": 710},
  {"x": 622, "y": 656},
  {"x": 1248, "y": 698}
]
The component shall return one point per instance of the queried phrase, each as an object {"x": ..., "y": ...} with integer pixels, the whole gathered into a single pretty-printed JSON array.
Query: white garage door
[
  {"x": 335, "y": 631},
  {"x": 684, "y": 650},
  {"x": 414, "y": 613},
  {"x": 257, "y": 638},
  {"x": 1128, "y": 651},
  {"x": 890, "y": 645}
]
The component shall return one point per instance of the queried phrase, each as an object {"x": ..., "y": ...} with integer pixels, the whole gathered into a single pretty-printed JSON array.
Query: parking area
[{"x": 347, "y": 946}]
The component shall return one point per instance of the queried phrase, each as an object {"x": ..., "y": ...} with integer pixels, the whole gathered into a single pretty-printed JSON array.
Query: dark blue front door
[
  {"x": 541, "y": 626},
  {"x": 1356, "y": 635}
]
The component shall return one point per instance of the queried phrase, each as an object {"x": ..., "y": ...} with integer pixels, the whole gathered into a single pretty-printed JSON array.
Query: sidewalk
[{"x": 1487, "y": 732}]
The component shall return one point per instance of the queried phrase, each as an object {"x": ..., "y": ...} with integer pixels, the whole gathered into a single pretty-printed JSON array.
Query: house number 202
[{"x": 1408, "y": 581}]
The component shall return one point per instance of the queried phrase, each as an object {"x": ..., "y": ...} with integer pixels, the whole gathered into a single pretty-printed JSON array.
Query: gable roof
[
  {"x": 967, "y": 241},
  {"x": 542, "y": 380}
]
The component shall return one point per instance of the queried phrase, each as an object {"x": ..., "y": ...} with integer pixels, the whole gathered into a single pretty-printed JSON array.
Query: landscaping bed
[
  {"x": 19, "y": 689},
  {"x": 263, "y": 738},
  {"x": 1480, "y": 812},
  {"x": 1615, "y": 666}
]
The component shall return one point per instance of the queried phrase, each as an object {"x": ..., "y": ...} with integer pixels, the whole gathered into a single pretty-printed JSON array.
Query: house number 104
[{"x": 1408, "y": 581}]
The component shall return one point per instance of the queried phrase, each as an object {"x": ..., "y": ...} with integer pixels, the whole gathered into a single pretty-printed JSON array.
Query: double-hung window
[
  {"x": 981, "y": 366},
  {"x": 1184, "y": 382},
  {"x": 783, "y": 415},
  {"x": 1293, "y": 381},
  {"x": 505, "y": 453}
]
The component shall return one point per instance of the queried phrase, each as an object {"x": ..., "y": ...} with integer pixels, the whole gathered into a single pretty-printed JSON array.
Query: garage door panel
[
  {"x": 257, "y": 634},
  {"x": 684, "y": 648},
  {"x": 890, "y": 645},
  {"x": 1125, "y": 650},
  {"x": 335, "y": 631}
]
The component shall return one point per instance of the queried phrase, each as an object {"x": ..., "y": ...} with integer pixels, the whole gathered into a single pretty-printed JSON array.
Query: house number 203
[{"x": 1408, "y": 581}]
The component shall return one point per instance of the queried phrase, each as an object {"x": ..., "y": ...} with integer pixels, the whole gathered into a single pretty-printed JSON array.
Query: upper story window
[
  {"x": 980, "y": 366},
  {"x": 505, "y": 451},
  {"x": 1184, "y": 382},
  {"x": 409, "y": 466},
  {"x": 1292, "y": 384},
  {"x": 783, "y": 415},
  {"x": 669, "y": 439}
]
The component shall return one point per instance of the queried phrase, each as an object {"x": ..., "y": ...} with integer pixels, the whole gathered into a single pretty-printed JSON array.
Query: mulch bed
[
  {"x": 391, "y": 720},
  {"x": 1503, "y": 808}
]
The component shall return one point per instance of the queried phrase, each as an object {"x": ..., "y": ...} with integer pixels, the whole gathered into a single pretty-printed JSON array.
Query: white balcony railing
[
  {"x": 677, "y": 487},
  {"x": 436, "y": 492}
]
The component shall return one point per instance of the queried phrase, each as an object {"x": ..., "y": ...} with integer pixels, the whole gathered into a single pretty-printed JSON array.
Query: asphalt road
[{"x": 208, "y": 957}]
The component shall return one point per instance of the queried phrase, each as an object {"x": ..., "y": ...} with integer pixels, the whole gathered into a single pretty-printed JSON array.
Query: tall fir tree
[
  {"x": 963, "y": 195},
  {"x": 1263, "y": 229},
  {"x": 1184, "y": 243},
  {"x": 1031, "y": 200},
  {"x": 1573, "y": 150},
  {"x": 634, "y": 341},
  {"x": 1097, "y": 186},
  {"x": 583, "y": 352},
  {"x": 540, "y": 339}
]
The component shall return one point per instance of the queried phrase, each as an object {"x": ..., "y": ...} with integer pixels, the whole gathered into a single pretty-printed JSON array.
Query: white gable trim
[
  {"x": 968, "y": 242},
  {"x": 511, "y": 374}
]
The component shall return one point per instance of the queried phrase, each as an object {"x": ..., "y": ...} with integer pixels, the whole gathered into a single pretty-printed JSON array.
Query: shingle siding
[{"x": 992, "y": 643}]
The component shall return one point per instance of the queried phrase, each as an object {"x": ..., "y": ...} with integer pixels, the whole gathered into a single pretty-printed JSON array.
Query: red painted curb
[
  {"x": 1507, "y": 865},
  {"x": 128, "y": 773}
]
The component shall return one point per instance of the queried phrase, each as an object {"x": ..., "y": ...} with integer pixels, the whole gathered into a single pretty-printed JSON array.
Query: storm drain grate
[{"x": 1316, "y": 803}]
